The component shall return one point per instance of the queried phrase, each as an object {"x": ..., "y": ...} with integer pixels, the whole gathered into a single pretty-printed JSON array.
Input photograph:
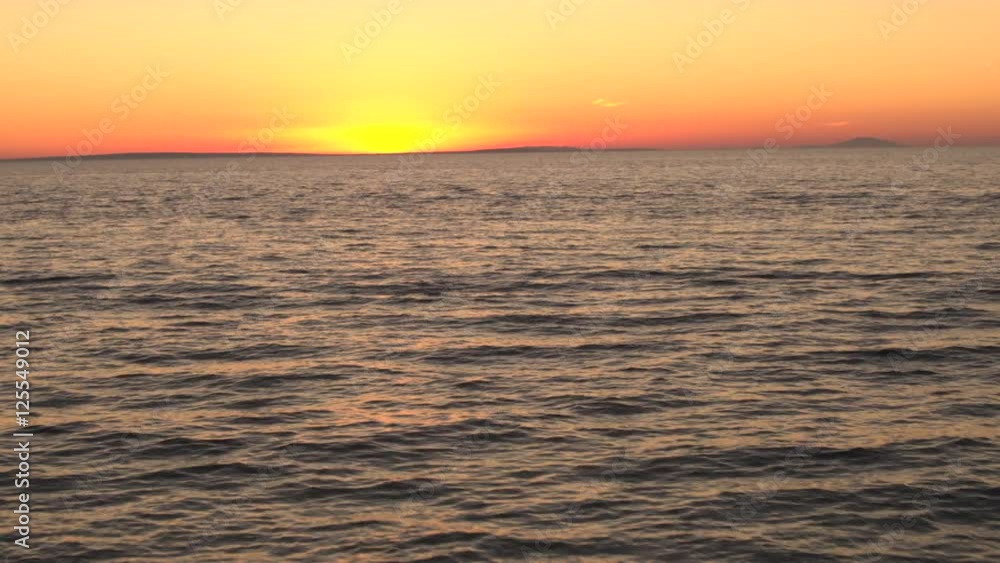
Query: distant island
[
  {"x": 865, "y": 143},
  {"x": 518, "y": 149},
  {"x": 551, "y": 149}
]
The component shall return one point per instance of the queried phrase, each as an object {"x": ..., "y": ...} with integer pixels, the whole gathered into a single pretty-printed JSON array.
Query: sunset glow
[{"x": 387, "y": 76}]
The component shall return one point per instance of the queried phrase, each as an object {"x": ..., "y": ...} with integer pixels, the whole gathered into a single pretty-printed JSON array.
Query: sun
[
  {"x": 378, "y": 125},
  {"x": 380, "y": 137}
]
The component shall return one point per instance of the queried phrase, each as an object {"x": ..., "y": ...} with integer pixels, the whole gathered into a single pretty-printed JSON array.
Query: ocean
[{"x": 622, "y": 356}]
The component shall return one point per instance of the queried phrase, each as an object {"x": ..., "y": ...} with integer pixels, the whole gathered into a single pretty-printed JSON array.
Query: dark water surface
[{"x": 613, "y": 357}]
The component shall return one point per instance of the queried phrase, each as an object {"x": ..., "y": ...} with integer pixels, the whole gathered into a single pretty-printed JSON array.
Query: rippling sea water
[{"x": 610, "y": 357}]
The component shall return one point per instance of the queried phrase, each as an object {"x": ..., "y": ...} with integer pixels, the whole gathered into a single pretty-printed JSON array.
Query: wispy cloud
[
  {"x": 607, "y": 103},
  {"x": 837, "y": 124}
]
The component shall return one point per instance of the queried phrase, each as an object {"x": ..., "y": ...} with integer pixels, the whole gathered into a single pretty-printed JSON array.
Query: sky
[{"x": 382, "y": 76}]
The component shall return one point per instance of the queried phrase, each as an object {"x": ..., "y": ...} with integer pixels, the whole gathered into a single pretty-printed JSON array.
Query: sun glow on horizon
[{"x": 391, "y": 76}]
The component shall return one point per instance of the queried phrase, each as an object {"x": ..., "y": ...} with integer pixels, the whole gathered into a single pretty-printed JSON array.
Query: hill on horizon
[{"x": 865, "y": 142}]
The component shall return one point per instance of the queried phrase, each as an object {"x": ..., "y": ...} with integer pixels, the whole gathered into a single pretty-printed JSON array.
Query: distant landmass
[
  {"x": 859, "y": 142},
  {"x": 122, "y": 156},
  {"x": 866, "y": 143},
  {"x": 552, "y": 149},
  {"x": 520, "y": 149}
]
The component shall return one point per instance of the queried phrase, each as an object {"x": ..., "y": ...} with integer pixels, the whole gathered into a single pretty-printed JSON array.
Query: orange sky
[{"x": 297, "y": 75}]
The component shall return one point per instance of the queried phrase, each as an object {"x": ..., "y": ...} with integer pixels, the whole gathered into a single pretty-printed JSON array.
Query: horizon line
[{"x": 525, "y": 149}]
